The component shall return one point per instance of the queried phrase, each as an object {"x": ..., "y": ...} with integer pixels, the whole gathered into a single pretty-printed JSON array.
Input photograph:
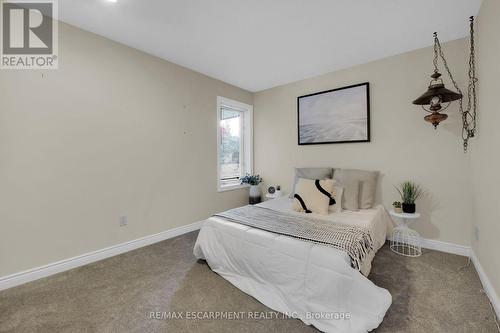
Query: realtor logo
[{"x": 29, "y": 34}]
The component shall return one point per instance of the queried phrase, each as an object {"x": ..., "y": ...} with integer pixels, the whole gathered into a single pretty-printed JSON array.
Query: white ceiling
[{"x": 259, "y": 44}]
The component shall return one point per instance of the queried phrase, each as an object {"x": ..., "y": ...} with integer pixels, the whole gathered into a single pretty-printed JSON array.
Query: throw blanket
[{"x": 355, "y": 241}]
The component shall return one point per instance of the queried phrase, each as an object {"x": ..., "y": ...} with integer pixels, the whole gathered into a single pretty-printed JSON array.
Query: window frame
[{"x": 246, "y": 144}]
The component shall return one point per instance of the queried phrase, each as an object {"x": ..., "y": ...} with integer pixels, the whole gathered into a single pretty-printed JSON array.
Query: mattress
[{"x": 312, "y": 282}]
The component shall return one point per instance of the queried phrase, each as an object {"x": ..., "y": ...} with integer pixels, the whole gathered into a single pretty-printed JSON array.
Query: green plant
[
  {"x": 409, "y": 192},
  {"x": 396, "y": 204},
  {"x": 251, "y": 179}
]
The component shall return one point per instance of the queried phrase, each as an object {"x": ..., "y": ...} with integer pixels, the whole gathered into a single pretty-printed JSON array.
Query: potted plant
[
  {"x": 409, "y": 192},
  {"x": 397, "y": 207},
  {"x": 253, "y": 181}
]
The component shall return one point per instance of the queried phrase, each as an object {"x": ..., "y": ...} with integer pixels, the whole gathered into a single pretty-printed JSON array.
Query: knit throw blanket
[{"x": 355, "y": 241}]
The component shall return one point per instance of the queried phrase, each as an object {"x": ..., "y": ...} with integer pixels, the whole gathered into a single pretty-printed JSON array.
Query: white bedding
[{"x": 310, "y": 281}]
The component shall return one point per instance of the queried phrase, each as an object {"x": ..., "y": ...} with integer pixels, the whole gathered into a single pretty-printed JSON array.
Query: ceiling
[{"x": 259, "y": 44}]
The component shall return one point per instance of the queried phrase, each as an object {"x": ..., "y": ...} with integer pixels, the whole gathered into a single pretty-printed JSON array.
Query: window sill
[{"x": 231, "y": 187}]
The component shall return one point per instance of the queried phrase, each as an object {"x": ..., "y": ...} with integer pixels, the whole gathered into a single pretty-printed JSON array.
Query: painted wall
[
  {"x": 403, "y": 145},
  {"x": 117, "y": 132},
  {"x": 485, "y": 155},
  {"x": 113, "y": 132}
]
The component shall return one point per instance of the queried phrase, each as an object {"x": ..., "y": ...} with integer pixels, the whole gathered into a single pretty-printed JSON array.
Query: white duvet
[{"x": 308, "y": 281}]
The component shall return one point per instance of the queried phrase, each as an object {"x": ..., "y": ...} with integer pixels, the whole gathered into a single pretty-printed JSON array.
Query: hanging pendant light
[{"x": 437, "y": 98}]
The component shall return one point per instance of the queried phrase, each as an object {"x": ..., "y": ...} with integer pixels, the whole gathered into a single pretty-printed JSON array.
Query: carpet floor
[{"x": 430, "y": 294}]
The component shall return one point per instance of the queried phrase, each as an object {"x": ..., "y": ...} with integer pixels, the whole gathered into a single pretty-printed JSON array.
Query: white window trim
[{"x": 247, "y": 139}]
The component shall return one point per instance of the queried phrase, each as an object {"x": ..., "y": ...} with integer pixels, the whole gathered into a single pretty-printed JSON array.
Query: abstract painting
[{"x": 335, "y": 116}]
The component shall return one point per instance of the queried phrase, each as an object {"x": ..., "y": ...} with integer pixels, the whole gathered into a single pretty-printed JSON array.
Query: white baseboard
[
  {"x": 436, "y": 245},
  {"x": 487, "y": 286},
  {"x": 16, "y": 279},
  {"x": 441, "y": 246}
]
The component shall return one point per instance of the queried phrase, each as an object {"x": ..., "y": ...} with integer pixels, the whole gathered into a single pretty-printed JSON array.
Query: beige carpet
[{"x": 118, "y": 295}]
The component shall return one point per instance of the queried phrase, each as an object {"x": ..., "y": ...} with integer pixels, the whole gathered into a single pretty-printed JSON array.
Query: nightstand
[
  {"x": 405, "y": 241},
  {"x": 274, "y": 195}
]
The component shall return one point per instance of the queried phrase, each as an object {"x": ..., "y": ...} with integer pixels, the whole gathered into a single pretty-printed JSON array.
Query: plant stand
[{"x": 405, "y": 241}]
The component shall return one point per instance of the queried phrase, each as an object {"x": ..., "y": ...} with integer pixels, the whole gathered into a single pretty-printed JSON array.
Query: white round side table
[{"x": 405, "y": 241}]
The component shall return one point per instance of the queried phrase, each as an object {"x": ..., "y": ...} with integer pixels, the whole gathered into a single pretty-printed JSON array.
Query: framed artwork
[{"x": 335, "y": 116}]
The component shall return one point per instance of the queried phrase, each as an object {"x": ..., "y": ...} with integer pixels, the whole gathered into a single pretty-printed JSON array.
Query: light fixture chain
[
  {"x": 435, "y": 61},
  {"x": 468, "y": 115},
  {"x": 472, "y": 79}
]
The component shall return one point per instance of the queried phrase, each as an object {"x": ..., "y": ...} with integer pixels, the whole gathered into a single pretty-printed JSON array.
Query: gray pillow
[
  {"x": 350, "y": 195},
  {"x": 367, "y": 184},
  {"x": 311, "y": 173}
]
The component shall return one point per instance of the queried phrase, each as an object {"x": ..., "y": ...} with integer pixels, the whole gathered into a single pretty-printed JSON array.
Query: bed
[{"x": 309, "y": 281}]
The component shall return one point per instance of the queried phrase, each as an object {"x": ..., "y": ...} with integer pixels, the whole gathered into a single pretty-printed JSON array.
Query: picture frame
[{"x": 340, "y": 115}]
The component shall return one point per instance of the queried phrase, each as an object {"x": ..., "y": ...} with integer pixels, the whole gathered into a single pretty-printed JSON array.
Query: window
[{"x": 234, "y": 142}]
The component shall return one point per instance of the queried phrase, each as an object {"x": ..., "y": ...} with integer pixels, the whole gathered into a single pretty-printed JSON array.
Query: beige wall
[
  {"x": 485, "y": 154},
  {"x": 117, "y": 132},
  {"x": 403, "y": 145},
  {"x": 113, "y": 132}
]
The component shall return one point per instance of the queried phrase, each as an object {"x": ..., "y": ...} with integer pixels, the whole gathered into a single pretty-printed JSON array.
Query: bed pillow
[
  {"x": 337, "y": 196},
  {"x": 312, "y": 196},
  {"x": 311, "y": 173},
  {"x": 367, "y": 184},
  {"x": 350, "y": 194}
]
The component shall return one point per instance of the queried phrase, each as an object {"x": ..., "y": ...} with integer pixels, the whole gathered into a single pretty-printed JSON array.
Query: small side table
[{"x": 405, "y": 241}]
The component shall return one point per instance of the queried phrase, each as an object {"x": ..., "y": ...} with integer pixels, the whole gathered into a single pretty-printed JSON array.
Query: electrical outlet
[
  {"x": 123, "y": 221},
  {"x": 476, "y": 232}
]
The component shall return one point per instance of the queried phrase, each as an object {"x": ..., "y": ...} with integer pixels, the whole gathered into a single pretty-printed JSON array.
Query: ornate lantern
[{"x": 437, "y": 98}]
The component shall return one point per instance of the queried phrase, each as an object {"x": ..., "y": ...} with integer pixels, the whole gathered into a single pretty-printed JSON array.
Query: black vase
[{"x": 408, "y": 208}]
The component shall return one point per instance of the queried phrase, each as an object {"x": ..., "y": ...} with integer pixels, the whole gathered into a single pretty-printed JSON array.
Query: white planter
[{"x": 254, "y": 197}]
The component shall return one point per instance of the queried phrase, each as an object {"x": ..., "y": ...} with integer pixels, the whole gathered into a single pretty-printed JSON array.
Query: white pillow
[
  {"x": 337, "y": 195},
  {"x": 312, "y": 196}
]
